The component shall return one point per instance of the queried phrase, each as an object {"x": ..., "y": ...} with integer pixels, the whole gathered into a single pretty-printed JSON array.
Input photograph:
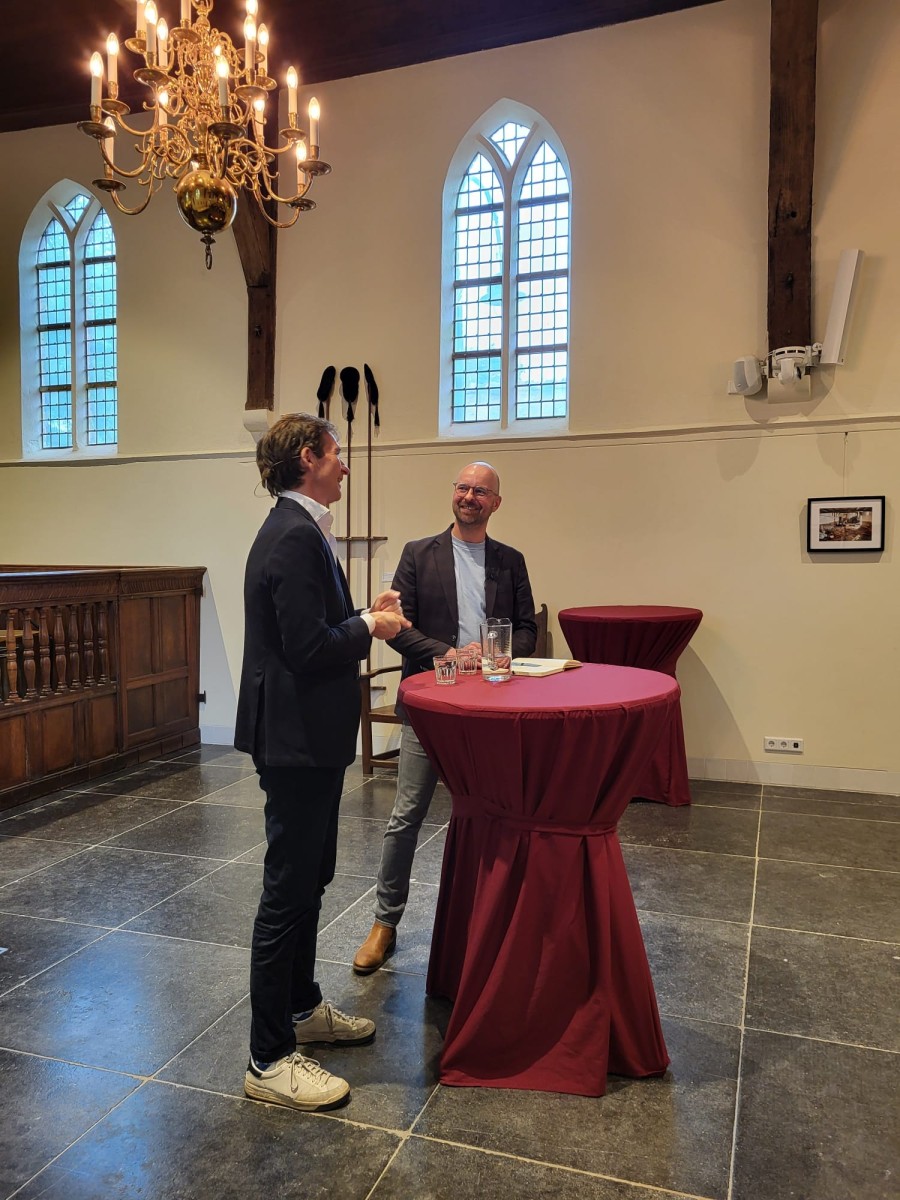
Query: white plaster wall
[{"x": 669, "y": 491}]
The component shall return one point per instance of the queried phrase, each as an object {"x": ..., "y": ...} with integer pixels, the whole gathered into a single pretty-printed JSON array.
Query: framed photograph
[{"x": 841, "y": 523}]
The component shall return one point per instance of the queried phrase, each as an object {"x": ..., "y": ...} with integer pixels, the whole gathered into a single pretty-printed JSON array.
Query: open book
[{"x": 542, "y": 666}]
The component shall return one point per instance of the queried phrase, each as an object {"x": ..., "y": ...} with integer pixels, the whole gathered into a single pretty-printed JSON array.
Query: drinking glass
[
  {"x": 444, "y": 670},
  {"x": 496, "y": 650},
  {"x": 466, "y": 663}
]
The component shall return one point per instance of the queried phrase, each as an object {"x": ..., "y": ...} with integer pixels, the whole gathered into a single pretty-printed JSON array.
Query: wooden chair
[{"x": 384, "y": 714}]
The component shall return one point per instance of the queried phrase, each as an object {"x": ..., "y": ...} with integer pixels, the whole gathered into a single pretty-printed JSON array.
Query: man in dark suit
[
  {"x": 298, "y": 713},
  {"x": 449, "y": 584}
]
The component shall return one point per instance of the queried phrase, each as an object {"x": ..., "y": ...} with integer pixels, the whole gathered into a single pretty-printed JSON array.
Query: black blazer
[
  {"x": 298, "y": 703},
  {"x": 426, "y": 580}
]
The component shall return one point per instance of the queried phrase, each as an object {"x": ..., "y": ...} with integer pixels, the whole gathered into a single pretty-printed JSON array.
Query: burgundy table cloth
[
  {"x": 648, "y": 636},
  {"x": 536, "y": 938}
]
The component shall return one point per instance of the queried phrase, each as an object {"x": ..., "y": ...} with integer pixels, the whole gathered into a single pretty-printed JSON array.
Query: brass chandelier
[{"x": 206, "y": 124}]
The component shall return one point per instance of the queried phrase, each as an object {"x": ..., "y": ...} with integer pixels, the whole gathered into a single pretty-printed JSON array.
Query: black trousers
[{"x": 302, "y": 806}]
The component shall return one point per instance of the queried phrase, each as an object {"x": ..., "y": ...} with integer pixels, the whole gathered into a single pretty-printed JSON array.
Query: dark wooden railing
[
  {"x": 99, "y": 667},
  {"x": 53, "y": 649}
]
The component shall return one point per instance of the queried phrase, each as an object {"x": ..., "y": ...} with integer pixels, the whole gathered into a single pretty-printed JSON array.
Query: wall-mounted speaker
[
  {"x": 746, "y": 376},
  {"x": 834, "y": 344}
]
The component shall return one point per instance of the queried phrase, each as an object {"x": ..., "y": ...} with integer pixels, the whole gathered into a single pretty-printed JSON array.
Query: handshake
[{"x": 388, "y": 616}]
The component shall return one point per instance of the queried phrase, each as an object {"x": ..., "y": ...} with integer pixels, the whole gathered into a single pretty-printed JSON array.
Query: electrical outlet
[{"x": 783, "y": 745}]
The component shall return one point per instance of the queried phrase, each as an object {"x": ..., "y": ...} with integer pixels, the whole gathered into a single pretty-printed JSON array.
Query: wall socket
[{"x": 783, "y": 744}]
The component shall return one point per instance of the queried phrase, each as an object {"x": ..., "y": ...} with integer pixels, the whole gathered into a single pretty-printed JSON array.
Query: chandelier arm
[
  {"x": 144, "y": 168},
  {"x": 267, "y": 191},
  {"x": 271, "y": 220},
  {"x": 133, "y": 212}
]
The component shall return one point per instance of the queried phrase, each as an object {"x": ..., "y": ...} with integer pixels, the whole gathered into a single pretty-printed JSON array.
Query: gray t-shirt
[{"x": 468, "y": 563}]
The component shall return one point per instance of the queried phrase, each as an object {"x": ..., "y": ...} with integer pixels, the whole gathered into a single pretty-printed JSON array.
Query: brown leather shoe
[{"x": 375, "y": 950}]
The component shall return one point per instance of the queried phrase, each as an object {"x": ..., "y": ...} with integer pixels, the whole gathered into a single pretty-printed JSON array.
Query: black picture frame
[{"x": 844, "y": 524}]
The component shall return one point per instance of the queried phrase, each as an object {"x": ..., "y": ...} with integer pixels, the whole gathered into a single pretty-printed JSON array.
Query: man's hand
[
  {"x": 388, "y": 624},
  {"x": 386, "y": 602},
  {"x": 471, "y": 648}
]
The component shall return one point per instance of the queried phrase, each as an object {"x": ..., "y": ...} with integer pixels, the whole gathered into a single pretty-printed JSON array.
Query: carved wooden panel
[
  {"x": 99, "y": 667},
  {"x": 59, "y": 741},
  {"x": 13, "y": 762}
]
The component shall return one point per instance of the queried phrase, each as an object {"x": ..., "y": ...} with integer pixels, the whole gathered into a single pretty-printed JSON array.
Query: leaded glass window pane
[
  {"x": 546, "y": 176},
  {"x": 509, "y": 139},
  {"x": 76, "y": 207},
  {"x": 100, "y": 345},
  {"x": 102, "y": 416},
  {"x": 54, "y": 295},
  {"x": 542, "y": 384},
  {"x": 56, "y": 420},
  {"x": 54, "y": 245},
  {"x": 476, "y": 388},
  {"x": 542, "y": 310},
  {"x": 480, "y": 186}
]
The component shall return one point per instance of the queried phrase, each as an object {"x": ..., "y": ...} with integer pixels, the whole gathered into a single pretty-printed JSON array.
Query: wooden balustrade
[
  {"x": 99, "y": 667},
  {"x": 52, "y": 650}
]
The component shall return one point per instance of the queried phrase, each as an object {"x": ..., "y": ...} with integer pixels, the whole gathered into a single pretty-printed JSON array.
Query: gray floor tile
[
  {"x": 222, "y": 906},
  {"x": 212, "y": 830},
  {"x": 825, "y": 899},
  {"x": 817, "y": 1121},
  {"x": 372, "y": 798},
  {"x": 694, "y": 827},
  {"x": 697, "y": 966},
  {"x": 166, "y": 1143},
  {"x": 830, "y": 840},
  {"x": 87, "y": 817},
  {"x": 834, "y": 988},
  {"x": 833, "y": 804},
  {"x": 720, "y": 794},
  {"x": 430, "y": 1170},
  {"x": 245, "y": 793},
  {"x": 20, "y": 856},
  {"x": 102, "y": 885},
  {"x": 725, "y": 787},
  {"x": 31, "y": 945},
  {"x": 129, "y": 1002},
  {"x": 691, "y": 883},
  {"x": 359, "y": 845},
  {"x": 340, "y": 941},
  {"x": 44, "y": 1107},
  {"x": 181, "y": 781},
  {"x": 223, "y": 756},
  {"x": 823, "y": 795},
  {"x": 673, "y": 1132}
]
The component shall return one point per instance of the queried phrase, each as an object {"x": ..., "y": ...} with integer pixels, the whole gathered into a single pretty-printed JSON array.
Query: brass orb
[{"x": 207, "y": 203}]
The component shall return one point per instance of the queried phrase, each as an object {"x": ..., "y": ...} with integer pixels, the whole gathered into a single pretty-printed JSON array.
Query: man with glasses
[{"x": 449, "y": 584}]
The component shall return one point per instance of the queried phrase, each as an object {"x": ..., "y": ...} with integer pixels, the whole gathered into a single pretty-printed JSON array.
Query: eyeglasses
[{"x": 480, "y": 493}]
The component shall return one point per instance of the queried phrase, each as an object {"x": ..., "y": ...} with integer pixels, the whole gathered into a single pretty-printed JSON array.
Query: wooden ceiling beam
[
  {"x": 792, "y": 141},
  {"x": 256, "y": 242}
]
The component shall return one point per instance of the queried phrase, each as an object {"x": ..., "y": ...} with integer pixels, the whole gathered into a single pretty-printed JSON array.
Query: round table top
[
  {"x": 591, "y": 687},
  {"x": 630, "y": 612}
]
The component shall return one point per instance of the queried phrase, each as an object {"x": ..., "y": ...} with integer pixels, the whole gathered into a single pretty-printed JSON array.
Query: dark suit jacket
[
  {"x": 426, "y": 581},
  {"x": 298, "y": 703}
]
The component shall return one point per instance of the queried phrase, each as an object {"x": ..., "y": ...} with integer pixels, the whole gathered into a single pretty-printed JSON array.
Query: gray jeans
[{"x": 416, "y": 781}]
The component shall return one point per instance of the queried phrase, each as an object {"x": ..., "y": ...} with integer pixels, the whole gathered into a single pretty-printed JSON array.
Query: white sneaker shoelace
[
  {"x": 310, "y": 1068},
  {"x": 333, "y": 1015}
]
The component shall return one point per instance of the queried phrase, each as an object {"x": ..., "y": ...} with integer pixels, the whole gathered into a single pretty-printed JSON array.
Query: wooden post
[
  {"x": 792, "y": 139},
  {"x": 256, "y": 242}
]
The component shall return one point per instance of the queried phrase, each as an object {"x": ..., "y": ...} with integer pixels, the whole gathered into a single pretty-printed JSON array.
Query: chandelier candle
[{"x": 206, "y": 110}]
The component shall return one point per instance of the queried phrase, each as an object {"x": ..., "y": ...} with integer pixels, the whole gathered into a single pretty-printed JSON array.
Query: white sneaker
[
  {"x": 328, "y": 1024},
  {"x": 296, "y": 1082}
]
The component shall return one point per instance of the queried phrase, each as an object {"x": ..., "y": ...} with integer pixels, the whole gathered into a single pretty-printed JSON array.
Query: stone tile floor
[{"x": 771, "y": 923}]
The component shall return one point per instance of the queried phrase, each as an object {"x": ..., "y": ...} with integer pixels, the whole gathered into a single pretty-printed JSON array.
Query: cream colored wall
[{"x": 667, "y": 490}]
